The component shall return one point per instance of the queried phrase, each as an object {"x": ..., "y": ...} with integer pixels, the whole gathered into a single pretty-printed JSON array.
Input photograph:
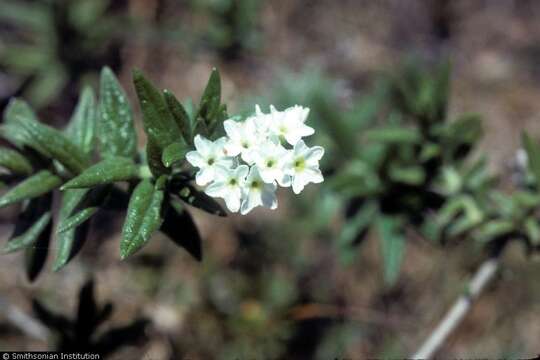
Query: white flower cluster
[{"x": 245, "y": 167}]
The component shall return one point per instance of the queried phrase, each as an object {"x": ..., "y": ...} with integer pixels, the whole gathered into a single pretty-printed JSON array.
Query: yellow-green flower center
[
  {"x": 299, "y": 164},
  {"x": 255, "y": 184}
]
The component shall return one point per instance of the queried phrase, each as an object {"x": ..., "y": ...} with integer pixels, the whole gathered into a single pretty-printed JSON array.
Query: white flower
[
  {"x": 289, "y": 124},
  {"x": 228, "y": 185},
  {"x": 243, "y": 138},
  {"x": 257, "y": 192},
  {"x": 303, "y": 166},
  {"x": 207, "y": 157},
  {"x": 245, "y": 167},
  {"x": 270, "y": 158}
]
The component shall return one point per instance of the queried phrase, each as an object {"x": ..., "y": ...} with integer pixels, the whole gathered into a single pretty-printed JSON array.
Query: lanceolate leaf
[
  {"x": 31, "y": 221},
  {"x": 180, "y": 116},
  {"x": 77, "y": 219},
  {"x": 178, "y": 225},
  {"x": 15, "y": 162},
  {"x": 51, "y": 143},
  {"x": 30, "y": 236},
  {"x": 174, "y": 153},
  {"x": 16, "y": 108},
  {"x": 85, "y": 208},
  {"x": 116, "y": 132},
  {"x": 36, "y": 185},
  {"x": 153, "y": 157},
  {"x": 82, "y": 126},
  {"x": 392, "y": 242},
  {"x": 106, "y": 171},
  {"x": 533, "y": 156},
  {"x": 210, "y": 100},
  {"x": 12, "y": 130},
  {"x": 143, "y": 218},
  {"x": 200, "y": 200},
  {"x": 36, "y": 253},
  {"x": 69, "y": 242},
  {"x": 157, "y": 119}
]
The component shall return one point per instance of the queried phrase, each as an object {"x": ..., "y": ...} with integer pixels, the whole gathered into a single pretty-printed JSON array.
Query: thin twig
[
  {"x": 315, "y": 310},
  {"x": 455, "y": 315},
  {"x": 24, "y": 322}
]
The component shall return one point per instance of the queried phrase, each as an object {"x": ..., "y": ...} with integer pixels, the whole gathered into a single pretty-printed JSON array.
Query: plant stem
[{"x": 457, "y": 312}]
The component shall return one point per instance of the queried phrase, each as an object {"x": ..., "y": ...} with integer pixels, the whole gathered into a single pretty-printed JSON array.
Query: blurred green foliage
[
  {"x": 398, "y": 162},
  {"x": 54, "y": 43},
  {"x": 230, "y": 26}
]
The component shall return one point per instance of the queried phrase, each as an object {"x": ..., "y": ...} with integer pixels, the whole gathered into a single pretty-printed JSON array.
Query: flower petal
[
  {"x": 203, "y": 146},
  {"x": 204, "y": 176},
  {"x": 314, "y": 175},
  {"x": 232, "y": 200},
  {"x": 285, "y": 180},
  {"x": 298, "y": 184},
  {"x": 216, "y": 189},
  {"x": 268, "y": 196},
  {"x": 232, "y": 128},
  {"x": 314, "y": 154},
  {"x": 251, "y": 201},
  {"x": 300, "y": 148},
  {"x": 195, "y": 159},
  {"x": 241, "y": 172}
]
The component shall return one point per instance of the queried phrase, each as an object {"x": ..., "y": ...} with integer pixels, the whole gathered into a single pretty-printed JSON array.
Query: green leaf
[
  {"x": 392, "y": 243},
  {"x": 179, "y": 226},
  {"x": 15, "y": 162},
  {"x": 210, "y": 101},
  {"x": 493, "y": 229},
  {"x": 158, "y": 122},
  {"x": 532, "y": 230},
  {"x": 16, "y": 108},
  {"x": 412, "y": 175},
  {"x": 143, "y": 218},
  {"x": 82, "y": 126},
  {"x": 36, "y": 254},
  {"x": 86, "y": 208},
  {"x": 36, "y": 185},
  {"x": 200, "y": 200},
  {"x": 69, "y": 242},
  {"x": 393, "y": 134},
  {"x": 153, "y": 158},
  {"x": 11, "y": 130},
  {"x": 49, "y": 142},
  {"x": 31, "y": 221},
  {"x": 30, "y": 236},
  {"x": 174, "y": 153},
  {"x": 533, "y": 155},
  {"x": 77, "y": 219},
  {"x": 466, "y": 129},
  {"x": 107, "y": 171},
  {"x": 180, "y": 116},
  {"x": 116, "y": 131},
  {"x": 353, "y": 229}
]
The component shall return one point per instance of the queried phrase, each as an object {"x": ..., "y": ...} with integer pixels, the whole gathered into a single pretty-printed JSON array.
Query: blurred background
[{"x": 278, "y": 284}]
